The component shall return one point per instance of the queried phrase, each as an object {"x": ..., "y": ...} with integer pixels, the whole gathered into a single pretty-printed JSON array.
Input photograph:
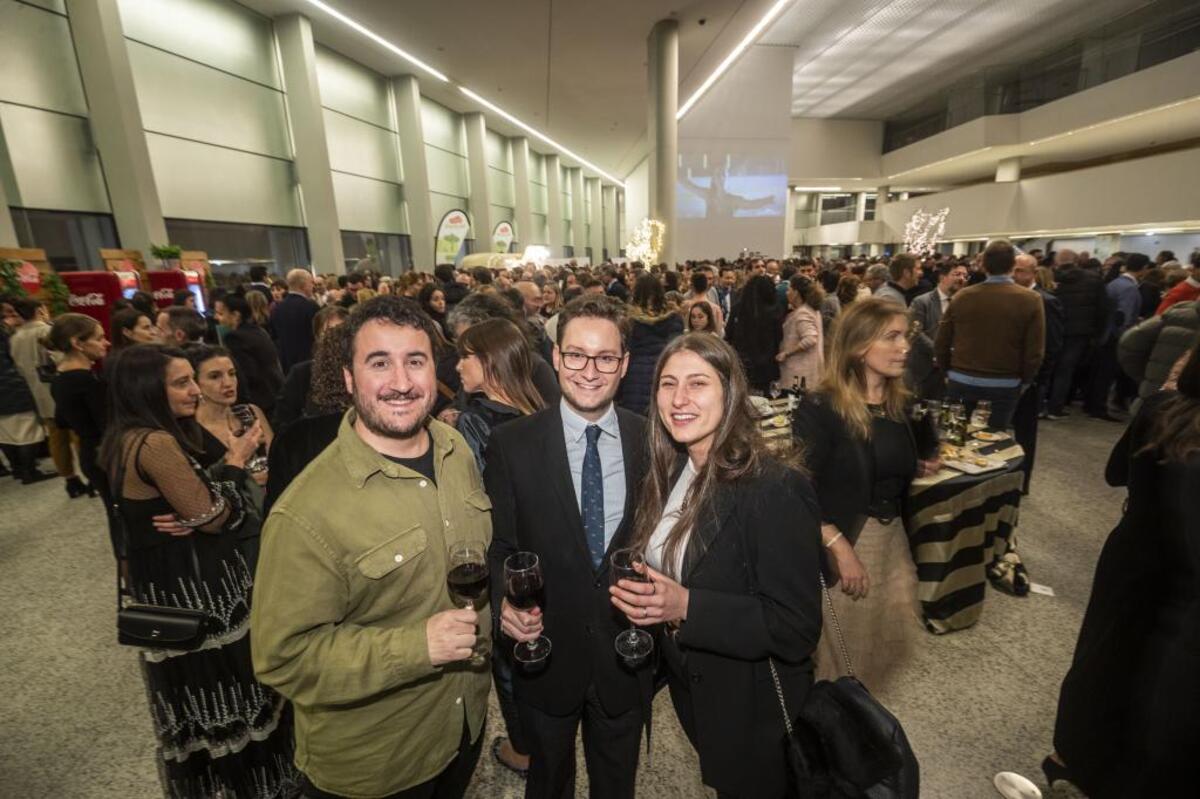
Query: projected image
[{"x": 728, "y": 186}]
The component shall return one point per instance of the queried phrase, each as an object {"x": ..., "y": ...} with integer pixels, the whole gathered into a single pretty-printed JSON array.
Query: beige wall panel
[
  {"x": 39, "y": 66},
  {"x": 55, "y": 163},
  {"x": 361, "y": 149}
]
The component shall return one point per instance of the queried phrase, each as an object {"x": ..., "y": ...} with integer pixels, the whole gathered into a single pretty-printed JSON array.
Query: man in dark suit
[
  {"x": 562, "y": 484},
  {"x": 613, "y": 287},
  {"x": 924, "y": 376},
  {"x": 292, "y": 320},
  {"x": 1025, "y": 419},
  {"x": 258, "y": 282}
]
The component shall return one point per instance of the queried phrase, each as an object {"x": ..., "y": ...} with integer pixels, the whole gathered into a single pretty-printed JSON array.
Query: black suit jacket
[
  {"x": 534, "y": 509},
  {"x": 751, "y": 569},
  {"x": 292, "y": 322},
  {"x": 259, "y": 375}
]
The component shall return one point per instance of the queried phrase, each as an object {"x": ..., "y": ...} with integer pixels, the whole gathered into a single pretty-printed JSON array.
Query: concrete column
[
  {"x": 554, "y": 206},
  {"x": 881, "y": 199},
  {"x": 307, "y": 121},
  {"x": 522, "y": 200},
  {"x": 596, "y": 219},
  {"x": 860, "y": 207},
  {"x": 1008, "y": 170},
  {"x": 116, "y": 122},
  {"x": 959, "y": 248},
  {"x": 406, "y": 96},
  {"x": 477, "y": 171},
  {"x": 663, "y": 131},
  {"x": 817, "y": 209},
  {"x": 608, "y": 196},
  {"x": 578, "y": 214},
  {"x": 789, "y": 223},
  {"x": 8, "y": 231}
]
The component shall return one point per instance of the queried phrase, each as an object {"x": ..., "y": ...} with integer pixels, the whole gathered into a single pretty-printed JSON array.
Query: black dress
[
  {"x": 79, "y": 406},
  {"x": 1129, "y": 708},
  {"x": 220, "y": 733}
]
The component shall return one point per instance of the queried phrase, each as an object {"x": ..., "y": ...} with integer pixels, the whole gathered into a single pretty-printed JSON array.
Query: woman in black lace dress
[{"x": 220, "y": 733}]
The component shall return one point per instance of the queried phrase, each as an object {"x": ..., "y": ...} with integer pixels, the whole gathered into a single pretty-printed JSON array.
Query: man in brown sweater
[{"x": 992, "y": 338}]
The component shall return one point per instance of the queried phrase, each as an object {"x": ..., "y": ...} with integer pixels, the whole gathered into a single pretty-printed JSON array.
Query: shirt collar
[
  {"x": 1127, "y": 275},
  {"x": 575, "y": 426},
  {"x": 943, "y": 296},
  {"x": 999, "y": 279},
  {"x": 362, "y": 461}
]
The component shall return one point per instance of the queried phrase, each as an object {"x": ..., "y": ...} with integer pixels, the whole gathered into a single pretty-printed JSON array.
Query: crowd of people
[{"x": 314, "y": 462}]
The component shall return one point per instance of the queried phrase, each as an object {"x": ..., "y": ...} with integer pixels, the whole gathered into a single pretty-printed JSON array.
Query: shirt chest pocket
[
  {"x": 475, "y": 515},
  {"x": 393, "y": 572}
]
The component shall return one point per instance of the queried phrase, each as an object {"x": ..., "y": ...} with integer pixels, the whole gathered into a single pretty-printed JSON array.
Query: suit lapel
[
  {"x": 709, "y": 525},
  {"x": 560, "y": 476}
]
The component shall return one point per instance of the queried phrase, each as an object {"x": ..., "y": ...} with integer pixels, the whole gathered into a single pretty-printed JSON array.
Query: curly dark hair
[
  {"x": 327, "y": 390},
  {"x": 391, "y": 309}
]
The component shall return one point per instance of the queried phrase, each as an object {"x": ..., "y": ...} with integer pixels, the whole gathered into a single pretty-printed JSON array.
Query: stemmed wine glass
[
  {"x": 634, "y": 644},
  {"x": 241, "y": 419},
  {"x": 523, "y": 583},
  {"x": 774, "y": 390},
  {"x": 467, "y": 579}
]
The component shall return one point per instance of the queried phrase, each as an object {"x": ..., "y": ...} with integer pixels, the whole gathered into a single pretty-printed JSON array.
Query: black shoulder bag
[
  {"x": 846, "y": 744},
  {"x": 153, "y": 626}
]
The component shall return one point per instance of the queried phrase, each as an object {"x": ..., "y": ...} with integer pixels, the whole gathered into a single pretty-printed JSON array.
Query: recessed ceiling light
[
  {"x": 754, "y": 33},
  {"x": 375, "y": 37},
  {"x": 818, "y": 188}
]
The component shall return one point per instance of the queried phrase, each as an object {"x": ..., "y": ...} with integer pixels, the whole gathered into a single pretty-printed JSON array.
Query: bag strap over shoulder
[{"x": 837, "y": 627}]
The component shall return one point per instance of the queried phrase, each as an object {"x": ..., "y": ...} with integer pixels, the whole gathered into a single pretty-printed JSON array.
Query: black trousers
[
  {"x": 610, "y": 748},
  {"x": 450, "y": 784}
]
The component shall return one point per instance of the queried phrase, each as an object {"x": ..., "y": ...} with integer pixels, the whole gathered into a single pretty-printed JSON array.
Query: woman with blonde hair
[
  {"x": 862, "y": 455},
  {"x": 260, "y": 312},
  {"x": 364, "y": 294}
]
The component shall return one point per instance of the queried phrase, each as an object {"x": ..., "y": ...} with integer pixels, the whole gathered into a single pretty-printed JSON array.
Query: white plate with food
[{"x": 986, "y": 435}]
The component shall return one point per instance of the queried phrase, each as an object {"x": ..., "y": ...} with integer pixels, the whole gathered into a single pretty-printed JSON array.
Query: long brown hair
[
  {"x": 737, "y": 449},
  {"x": 845, "y": 380},
  {"x": 507, "y": 361},
  {"x": 1175, "y": 432}
]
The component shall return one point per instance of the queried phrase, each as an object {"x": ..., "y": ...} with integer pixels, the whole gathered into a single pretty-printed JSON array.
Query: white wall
[
  {"x": 446, "y": 160},
  {"x": 47, "y": 157},
  {"x": 637, "y": 197},
  {"x": 834, "y": 149},
  {"x": 734, "y": 147},
  {"x": 364, "y": 145}
]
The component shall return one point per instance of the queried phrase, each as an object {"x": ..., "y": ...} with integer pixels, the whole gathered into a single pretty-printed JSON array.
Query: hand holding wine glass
[
  {"x": 652, "y": 598},
  {"x": 627, "y": 567},
  {"x": 523, "y": 588},
  {"x": 244, "y": 424},
  {"x": 467, "y": 578}
]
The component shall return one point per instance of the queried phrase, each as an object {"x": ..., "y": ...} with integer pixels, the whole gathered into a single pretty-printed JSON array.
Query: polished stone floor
[{"x": 73, "y": 719}]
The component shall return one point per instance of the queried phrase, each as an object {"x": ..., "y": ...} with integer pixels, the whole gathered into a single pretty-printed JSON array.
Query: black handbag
[
  {"x": 154, "y": 626},
  {"x": 845, "y": 744}
]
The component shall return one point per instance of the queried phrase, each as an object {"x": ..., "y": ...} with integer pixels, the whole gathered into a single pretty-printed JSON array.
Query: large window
[
  {"x": 232, "y": 248},
  {"x": 837, "y": 208},
  {"x": 386, "y": 253},
  {"x": 72, "y": 240}
]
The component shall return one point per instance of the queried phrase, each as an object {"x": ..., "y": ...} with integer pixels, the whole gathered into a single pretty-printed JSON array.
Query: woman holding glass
[
  {"x": 861, "y": 451},
  {"x": 730, "y": 536}
]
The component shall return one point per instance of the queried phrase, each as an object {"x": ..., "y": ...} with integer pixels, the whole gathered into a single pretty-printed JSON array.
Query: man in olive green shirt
[{"x": 351, "y": 619}]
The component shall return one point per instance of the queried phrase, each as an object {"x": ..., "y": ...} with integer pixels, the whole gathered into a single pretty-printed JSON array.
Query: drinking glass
[
  {"x": 925, "y": 430},
  {"x": 467, "y": 578},
  {"x": 523, "y": 584},
  {"x": 982, "y": 415},
  {"x": 241, "y": 419},
  {"x": 773, "y": 389},
  {"x": 634, "y": 644}
]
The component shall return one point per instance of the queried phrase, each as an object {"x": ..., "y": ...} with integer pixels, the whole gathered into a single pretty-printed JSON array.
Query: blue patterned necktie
[{"x": 591, "y": 497}]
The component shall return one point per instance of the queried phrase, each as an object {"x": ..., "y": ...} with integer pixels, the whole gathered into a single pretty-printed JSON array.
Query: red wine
[
  {"x": 626, "y": 573},
  {"x": 524, "y": 591},
  {"x": 468, "y": 582}
]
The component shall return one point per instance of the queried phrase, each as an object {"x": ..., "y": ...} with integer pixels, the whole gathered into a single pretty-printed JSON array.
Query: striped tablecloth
[{"x": 957, "y": 525}]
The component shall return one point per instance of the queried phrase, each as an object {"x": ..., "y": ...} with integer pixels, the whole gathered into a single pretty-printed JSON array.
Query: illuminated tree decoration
[
  {"x": 647, "y": 241},
  {"x": 923, "y": 231}
]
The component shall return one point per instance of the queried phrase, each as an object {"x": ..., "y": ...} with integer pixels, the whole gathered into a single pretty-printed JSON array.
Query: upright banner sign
[
  {"x": 454, "y": 228},
  {"x": 502, "y": 237}
]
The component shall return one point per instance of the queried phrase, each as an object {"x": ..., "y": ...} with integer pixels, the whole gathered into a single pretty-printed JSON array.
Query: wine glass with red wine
[
  {"x": 635, "y": 644},
  {"x": 467, "y": 578},
  {"x": 241, "y": 419},
  {"x": 523, "y": 584}
]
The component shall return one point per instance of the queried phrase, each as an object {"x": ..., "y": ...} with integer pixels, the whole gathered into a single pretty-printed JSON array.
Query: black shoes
[
  {"x": 75, "y": 487},
  {"x": 1055, "y": 772},
  {"x": 32, "y": 476}
]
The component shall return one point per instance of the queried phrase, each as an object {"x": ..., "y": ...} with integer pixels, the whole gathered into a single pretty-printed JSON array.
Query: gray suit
[
  {"x": 922, "y": 375},
  {"x": 889, "y": 292}
]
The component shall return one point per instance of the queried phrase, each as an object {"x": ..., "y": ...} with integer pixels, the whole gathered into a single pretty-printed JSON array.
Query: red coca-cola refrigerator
[
  {"x": 164, "y": 284},
  {"x": 93, "y": 293}
]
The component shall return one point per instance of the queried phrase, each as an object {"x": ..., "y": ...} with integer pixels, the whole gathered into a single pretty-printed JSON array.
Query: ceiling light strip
[
  {"x": 749, "y": 39},
  {"x": 359, "y": 27},
  {"x": 370, "y": 34},
  {"x": 538, "y": 134}
]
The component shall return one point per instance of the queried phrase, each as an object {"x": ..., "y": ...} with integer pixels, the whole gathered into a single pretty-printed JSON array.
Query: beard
[{"x": 377, "y": 418}]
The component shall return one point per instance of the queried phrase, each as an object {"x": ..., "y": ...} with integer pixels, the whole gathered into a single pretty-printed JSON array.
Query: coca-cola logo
[
  {"x": 164, "y": 294},
  {"x": 94, "y": 298}
]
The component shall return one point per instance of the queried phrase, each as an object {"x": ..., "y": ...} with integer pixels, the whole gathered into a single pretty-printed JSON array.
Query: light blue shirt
[{"x": 612, "y": 462}]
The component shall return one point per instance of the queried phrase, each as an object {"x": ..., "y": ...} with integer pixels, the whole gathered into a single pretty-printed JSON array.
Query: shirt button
[
  {"x": 423, "y": 483},
  {"x": 458, "y": 701},
  {"x": 399, "y": 558},
  {"x": 447, "y": 521}
]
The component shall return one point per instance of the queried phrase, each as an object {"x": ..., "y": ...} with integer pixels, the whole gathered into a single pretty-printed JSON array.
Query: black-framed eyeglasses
[{"x": 605, "y": 364}]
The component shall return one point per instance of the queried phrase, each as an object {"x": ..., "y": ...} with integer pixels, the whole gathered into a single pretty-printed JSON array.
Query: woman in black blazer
[
  {"x": 731, "y": 539},
  {"x": 253, "y": 352},
  {"x": 861, "y": 453}
]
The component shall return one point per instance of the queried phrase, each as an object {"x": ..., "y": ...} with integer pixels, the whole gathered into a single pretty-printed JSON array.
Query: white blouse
[{"x": 658, "y": 540}]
